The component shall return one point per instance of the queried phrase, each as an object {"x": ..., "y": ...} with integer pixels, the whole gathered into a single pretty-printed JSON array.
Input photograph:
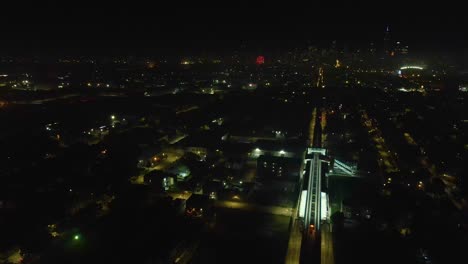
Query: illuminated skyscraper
[{"x": 387, "y": 43}]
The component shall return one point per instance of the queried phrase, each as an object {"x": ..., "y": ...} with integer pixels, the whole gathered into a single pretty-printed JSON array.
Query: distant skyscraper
[
  {"x": 372, "y": 48},
  {"x": 387, "y": 41},
  {"x": 333, "y": 46},
  {"x": 401, "y": 49}
]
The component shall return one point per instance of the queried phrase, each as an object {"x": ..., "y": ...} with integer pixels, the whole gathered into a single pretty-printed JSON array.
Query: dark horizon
[{"x": 139, "y": 28}]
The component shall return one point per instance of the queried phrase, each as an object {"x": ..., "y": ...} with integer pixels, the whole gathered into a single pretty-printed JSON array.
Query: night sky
[{"x": 185, "y": 27}]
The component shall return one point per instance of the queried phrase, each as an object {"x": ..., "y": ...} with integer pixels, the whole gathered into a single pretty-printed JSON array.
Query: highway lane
[
  {"x": 293, "y": 254},
  {"x": 312, "y": 127},
  {"x": 296, "y": 244},
  {"x": 326, "y": 246}
]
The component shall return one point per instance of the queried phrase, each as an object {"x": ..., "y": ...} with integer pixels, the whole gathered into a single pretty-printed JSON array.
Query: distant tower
[
  {"x": 387, "y": 43},
  {"x": 260, "y": 60},
  {"x": 372, "y": 49},
  {"x": 333, "y": 46}
]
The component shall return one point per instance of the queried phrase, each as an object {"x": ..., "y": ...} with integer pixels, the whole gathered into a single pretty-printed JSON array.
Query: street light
[
  {"x": 76, "y": 237},
  {"x": 112, "y": 117}
]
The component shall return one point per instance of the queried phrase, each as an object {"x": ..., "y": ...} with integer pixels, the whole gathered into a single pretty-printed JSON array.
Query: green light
[{"x": 76, "y": 237}]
